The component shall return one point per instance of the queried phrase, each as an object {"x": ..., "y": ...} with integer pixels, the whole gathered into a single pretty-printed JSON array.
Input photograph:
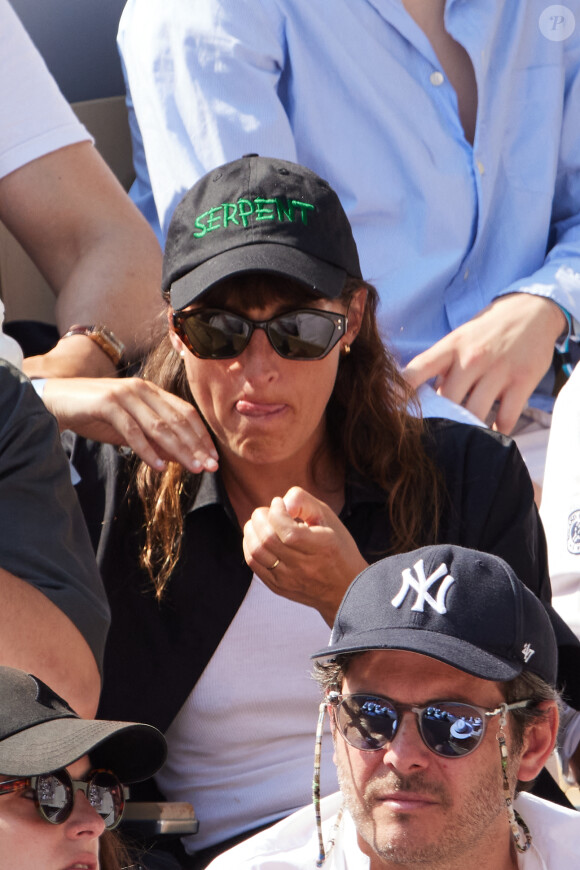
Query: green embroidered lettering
[
  {"x": 304, "y": 207},
  {"x": 245, "y": 213},
  {"x": 214, "y": 219},
  {"x": 285, "y": 209},
  {"x": 262, "y": 212},
  {"x": 230, "y": 209},
  {"x": 200, "y": 226}
]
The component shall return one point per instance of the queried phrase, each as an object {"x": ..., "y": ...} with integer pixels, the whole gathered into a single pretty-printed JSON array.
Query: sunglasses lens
[
  {"x": 452, "y": 730},
  {"x": 216, "y": 334},
  {"x": 54, "y": 796},
  {"x": 367, "y": 722},
  {"x": 105, "y": 795},
  {"x": 302, "y": 334}
]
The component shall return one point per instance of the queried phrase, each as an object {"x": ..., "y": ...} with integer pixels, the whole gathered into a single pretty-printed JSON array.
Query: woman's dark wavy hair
[{"x": 369, "y": 428}]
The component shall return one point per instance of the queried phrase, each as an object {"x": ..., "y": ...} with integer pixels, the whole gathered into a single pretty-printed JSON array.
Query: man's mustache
[{"x": 418, "y": 784}]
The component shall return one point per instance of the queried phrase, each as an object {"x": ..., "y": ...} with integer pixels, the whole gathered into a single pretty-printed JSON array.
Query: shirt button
[
  {"x": 480, "y": 167},
  {"x": 466, "y": 275},
  {"x": 436, "y": 78}
]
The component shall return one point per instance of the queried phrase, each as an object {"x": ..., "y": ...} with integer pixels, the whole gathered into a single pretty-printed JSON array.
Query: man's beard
[{"x": 459, "y": 831}]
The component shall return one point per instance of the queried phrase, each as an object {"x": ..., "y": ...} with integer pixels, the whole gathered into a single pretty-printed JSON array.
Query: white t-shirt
[
  {"x": 292, "y": 844},
  {"x": 560, "y": 509},
  {"x": 36, "y": 118},
  {"x": 241, "y": 749}
]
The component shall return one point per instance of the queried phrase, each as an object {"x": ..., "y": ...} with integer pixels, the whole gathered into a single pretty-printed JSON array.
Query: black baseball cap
[
  {"x": 463, "y": 607},
  {"x": 258, "y": 214},
  {"x": 40, "y": 733}
]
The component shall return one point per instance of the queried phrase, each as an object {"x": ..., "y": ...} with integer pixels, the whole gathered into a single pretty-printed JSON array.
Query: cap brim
[
  {"x": 132, "y": 751},
  {"x": 322, "y": 278},
  {"x": 452, "y": 651}
]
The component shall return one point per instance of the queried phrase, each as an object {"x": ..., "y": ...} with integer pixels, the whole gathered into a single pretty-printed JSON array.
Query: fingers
[
  {"x": 273, "y": 534},
  {"x": 301, "y": 505},
  {"x": 311, "y": 563},
  {"x": 259, "y": 543},
  {"x": 511, "y": 405},
  {"x": 283, "y": 531},
  {"x": 479, "y": 396},
  {"x": 155, "y": 424},
  {"x": 159, "y": 422},
  {"x": 433, "y": 362}
]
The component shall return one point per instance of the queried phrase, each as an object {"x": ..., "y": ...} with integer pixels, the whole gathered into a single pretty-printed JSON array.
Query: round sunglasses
[
  {"x": 451, "y": 729},
  {"x": 54, "y": 794},
  {"x": 303, "y": 334}
]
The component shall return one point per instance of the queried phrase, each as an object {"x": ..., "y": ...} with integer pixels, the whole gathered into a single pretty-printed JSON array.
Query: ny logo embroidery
[
  {"x": 527, "y": 652},
  {"x": 422, "y": 584}
]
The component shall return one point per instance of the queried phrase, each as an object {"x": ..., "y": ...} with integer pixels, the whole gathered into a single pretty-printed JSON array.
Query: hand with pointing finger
[
  {"x": 500, "y": 355},
  {"x": 301, "y": 550}
]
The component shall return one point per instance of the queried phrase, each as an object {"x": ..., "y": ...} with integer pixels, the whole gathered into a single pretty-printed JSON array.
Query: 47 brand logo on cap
[{"x": 422, "y": 585}]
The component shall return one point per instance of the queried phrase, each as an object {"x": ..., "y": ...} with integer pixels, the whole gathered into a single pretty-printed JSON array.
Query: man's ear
[
  {"x": 539, "y": 740},
  {"x": 356, "y": 309}
]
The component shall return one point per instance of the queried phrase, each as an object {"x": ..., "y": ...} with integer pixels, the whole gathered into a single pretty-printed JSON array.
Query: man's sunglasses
[
  {"x": 451, "y": 729},
  {"x": 304, "y": 334},
  {"x": 54, "y": 794}
]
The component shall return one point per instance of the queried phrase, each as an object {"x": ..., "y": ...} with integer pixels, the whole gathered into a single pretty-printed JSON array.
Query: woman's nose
[
  {"x": 84, "y": 819},
  {"x": 259, "y": 357}
]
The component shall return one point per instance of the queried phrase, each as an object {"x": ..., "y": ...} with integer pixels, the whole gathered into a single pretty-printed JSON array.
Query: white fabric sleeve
[
  {"x": 36, "y": 118},
  {"x": 560, "y": 508}
]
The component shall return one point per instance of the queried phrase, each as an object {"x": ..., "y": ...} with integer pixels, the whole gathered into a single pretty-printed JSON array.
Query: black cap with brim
[
  {"x": 39, "y": 733},
  {"x": 322, "y": 278},
  {"x": 463, "y": 607},
  {"x": 258, "y": 214},
  {"x": 450, "y": 650}
]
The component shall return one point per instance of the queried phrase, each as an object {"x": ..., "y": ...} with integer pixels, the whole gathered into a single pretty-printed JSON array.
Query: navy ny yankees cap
[
  {"x": 258, "y": 214},
  {"x": 462, "y": 607}
]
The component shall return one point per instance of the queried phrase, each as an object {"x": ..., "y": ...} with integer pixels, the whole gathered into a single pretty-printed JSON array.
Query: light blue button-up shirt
[{"x": 354, "y": 90}]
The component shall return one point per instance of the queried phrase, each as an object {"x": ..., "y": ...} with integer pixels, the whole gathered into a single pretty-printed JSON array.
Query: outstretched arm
[{"x": 54, "y": 609}]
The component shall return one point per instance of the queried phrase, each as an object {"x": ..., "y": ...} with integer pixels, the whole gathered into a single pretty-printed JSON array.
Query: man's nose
[{"x": 407, "y": 751}]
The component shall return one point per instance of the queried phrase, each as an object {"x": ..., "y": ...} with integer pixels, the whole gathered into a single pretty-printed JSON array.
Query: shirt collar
[{"x": 211, "y": 491}]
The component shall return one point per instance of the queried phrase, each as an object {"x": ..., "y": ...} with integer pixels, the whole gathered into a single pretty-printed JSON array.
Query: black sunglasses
[
  {"x": 451, "y": 729},
  {"x": 303, "y": 334},
  {"x": 54, "y": 794}
]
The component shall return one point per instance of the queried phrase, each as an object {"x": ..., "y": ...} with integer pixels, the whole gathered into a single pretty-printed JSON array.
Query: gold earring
[{"x": 346, "y": 349}]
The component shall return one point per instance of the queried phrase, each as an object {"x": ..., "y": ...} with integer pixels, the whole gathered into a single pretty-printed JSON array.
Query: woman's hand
[
  {"x": 135, "y": 413},
  {"x": 300, "y": 549}
]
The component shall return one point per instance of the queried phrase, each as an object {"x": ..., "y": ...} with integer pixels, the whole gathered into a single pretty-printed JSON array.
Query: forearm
[
  {"x": 115, "y": 281},
  {"x": 38, "y": 638},
  {"x": 96, "y": 251},
  {"x": 44, "y": 537}
]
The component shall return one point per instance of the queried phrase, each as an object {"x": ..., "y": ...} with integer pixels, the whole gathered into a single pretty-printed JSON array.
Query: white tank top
[{"x": 241, "y": 749}]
